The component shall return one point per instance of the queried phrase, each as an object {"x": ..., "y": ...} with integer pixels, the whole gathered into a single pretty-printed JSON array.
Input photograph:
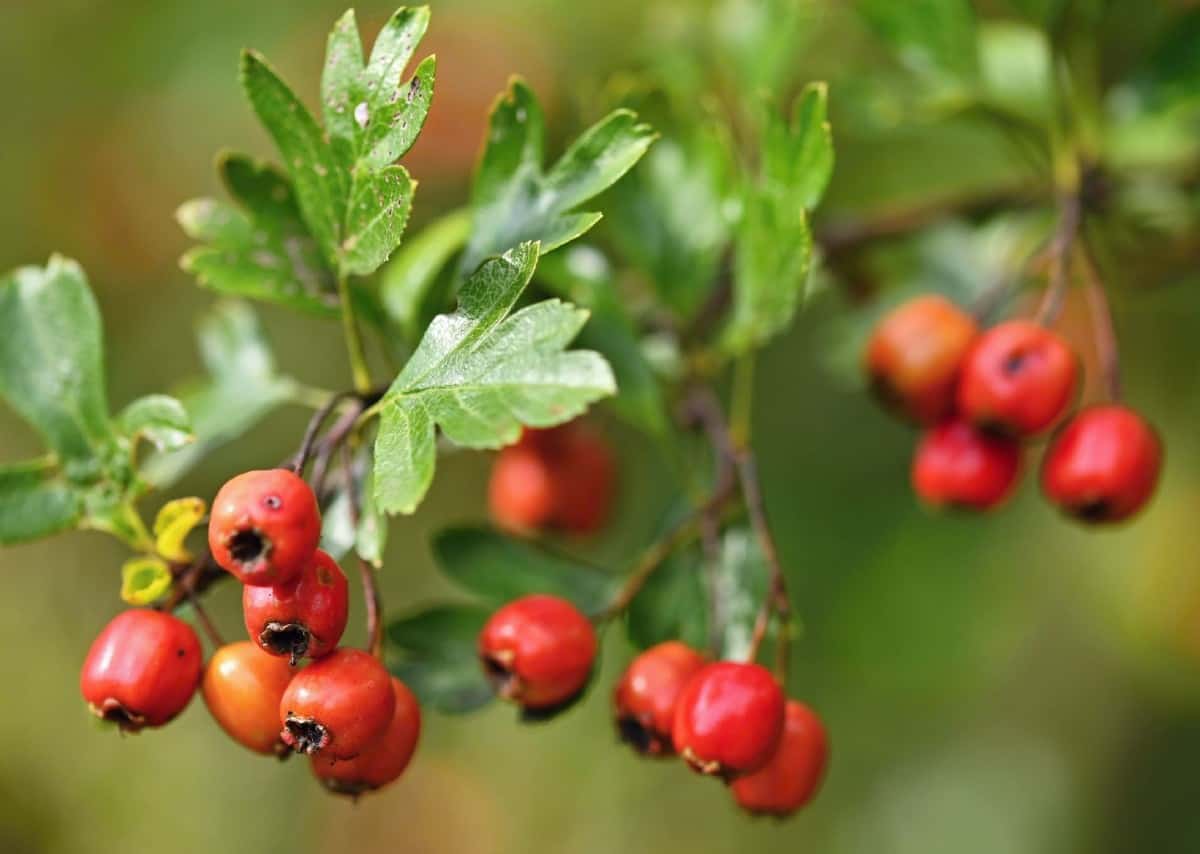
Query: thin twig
[
  {"x": 371, "y": 595},
  {"x": 314, "y": 427},
  {"x": 194, "y": 580},
  {"x": 1060, "y": 251},
  {"x": 210, "y": 627},
  {"x": 1103, "y": 333}
]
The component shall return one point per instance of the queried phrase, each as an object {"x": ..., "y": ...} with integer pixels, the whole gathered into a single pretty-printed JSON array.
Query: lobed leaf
[
  {"x": 408, "y": 280},
  {"x": 36, "y": 501},
  {"x": 262, "y": 249},
  {"x": 513, "y": 201},
  {"x": 499, "y": 569},
  {"x": 480, "y": 374},
  {"x": 158, "y": 418},
  {"x": 378, "y": 211}
]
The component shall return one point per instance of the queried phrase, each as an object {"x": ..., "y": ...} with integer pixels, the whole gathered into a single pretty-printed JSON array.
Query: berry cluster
[
  {"x": 358, "y": 724},
  {"x": 981, "y": 394},
  {"x": 561, "y": 477},
  {"x": 725, "y": 719}
]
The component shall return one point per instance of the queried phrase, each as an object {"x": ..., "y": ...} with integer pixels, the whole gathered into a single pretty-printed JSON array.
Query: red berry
[
  {"x": 264, "y": 526},
  {"x": 585, "y": 474},
  {"x": 384, "y": 760},
  {"x": 538, "y": 651},
  {"x": 790, "y": 779},
  {"x": 959, "y": 466},
  {"x": 306, "y": 617},
  {"x": 337, "y": 706},
  {"x": 1018, "y": 379},
  {"x": 561, "y": 476},
  {"x": 242, "y": 688},
  {"x": 729, "y": 719},
  {"x": 645, "y": 696},
  {"x": 914, "y": 356},
  {"x": 1103, "y": 464},
  {"x": 521, "y": 490},
  {"x": 142, "y": 669}
]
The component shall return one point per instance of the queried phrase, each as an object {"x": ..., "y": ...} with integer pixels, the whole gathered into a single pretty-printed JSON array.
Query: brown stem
[
  {"x": 314, "y": 427},
  {"x": 1103, "y": 332},
  {"x": 210, "y": 628},
  {"x": 372, "y": 597},
  {"x": 1060, "y": 250}
]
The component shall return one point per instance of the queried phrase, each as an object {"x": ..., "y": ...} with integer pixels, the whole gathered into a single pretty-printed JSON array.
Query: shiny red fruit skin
[
  {"x": 1018, "y": 379},
  {"x": 142, "y": 669},
  {"x": 792, "y": 776},
  {"x": 914, "y": 356},
  {"x": 538, "y": 650},
  {"x": 729, "y": 719},
  {"x": 959, "y": 466},
  {"x": 242, "y": 687},
  {"x": 264, "y": 526},
  {"x": 304, "y": 618},
  {"x": 645, "y": 697},
  {"x": 384, "y": 760},
  {"x": 1103, "y": 464},
  {"x": 337, "y": 706},
  {"x": 521, "y": 493}
]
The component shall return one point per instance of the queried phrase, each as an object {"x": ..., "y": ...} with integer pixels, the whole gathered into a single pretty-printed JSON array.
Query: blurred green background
[{"x": 1007, "y": 684}]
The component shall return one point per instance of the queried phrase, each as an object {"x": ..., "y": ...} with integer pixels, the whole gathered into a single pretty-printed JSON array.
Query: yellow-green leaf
[
  {"x": 144, "y": 579},
  {"x": 172, "y": 525}
]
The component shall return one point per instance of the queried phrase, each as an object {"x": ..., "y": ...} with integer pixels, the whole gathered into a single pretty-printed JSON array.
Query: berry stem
[
  {"x": 1060, "y": 251},
  {"x": 1103, "y": 333},
  {"x": 314, "y": 427},
  {"x": 354, "y": 344},
  {"x": 372, "y": 598}
]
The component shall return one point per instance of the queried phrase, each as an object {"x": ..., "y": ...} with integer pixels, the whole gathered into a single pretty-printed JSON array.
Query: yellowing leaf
[
  {"x": 172, "y": 525},
  {"x": 144, "y": 579}
]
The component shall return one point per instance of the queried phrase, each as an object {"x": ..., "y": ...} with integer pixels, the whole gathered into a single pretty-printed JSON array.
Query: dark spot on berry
[
  {"x": 247, "y": 546},
  {"x": 290, "y": 639},
  {"x": 274, "y": 502},
  {"x": 1013, "y": 363},
  {"x": 640, "y": 737},
  {"x": 180, "y": 653}
]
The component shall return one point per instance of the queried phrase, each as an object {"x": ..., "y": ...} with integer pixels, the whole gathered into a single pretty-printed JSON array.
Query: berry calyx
[
  {"x": 729, "y": 719},
  {"x": 1103, "y": 464},
  {"x": 337, "y": 706},
  {"x": 792, "y": 776},
  {"x": 242, "y": 688},
  {"x": 384, "y": 760},
  {"x": 538, "y": 651},
  {"x": 959, "y": 466},
  {"x": 914, "y": 356},
  {"x": 521, "y": 495},
  {"x": 141, "y": 670},
  {"x": 304, "y": 618},
  {"x": 264, "y": 526},
  {"x": 646, "y": 695},
  {"x": 1017, "y": 379}
]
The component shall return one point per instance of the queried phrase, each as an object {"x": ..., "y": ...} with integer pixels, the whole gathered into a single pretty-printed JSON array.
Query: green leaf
[
  {"x": 798, "y": 157},
  {"x": 499, "y": 569},
  {"x": 371, "y": 118},
  {"x": 51, "y": 357},
  {"x": 480, "y": 374},
  {"x": 379, "y": 206},
  {"x": 513, "y": 201},
  {"x": 673, "y": 605},
  {"x": 321, "y": 182},
  {"x": 242, "y": 387},
  {"x": 933, "y": 38},
  {"x": 35, "y": 502},
  {"x": 158, "y": 418},
  {"x": 262, "y": 249},
  {"x": 739, "y": 587},
  {"x": 371, "y": 536},
  {"x": 434, "y": 652},
  {"x": 670, "y": 217},
  {"x": 408, "y": 279},
  {"x": 144, "y": 579},
  {"x": 582, "y": 275}
]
